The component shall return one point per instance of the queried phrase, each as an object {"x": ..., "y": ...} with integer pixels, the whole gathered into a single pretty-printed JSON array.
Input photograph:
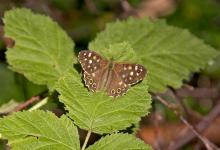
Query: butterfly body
[{"x": 114, "y": 78}]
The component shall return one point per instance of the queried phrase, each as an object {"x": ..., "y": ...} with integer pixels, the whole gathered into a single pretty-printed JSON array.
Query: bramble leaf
[
  {"x": 119, "y": 52},
  {"x": 169, "y": 53},
  {"x": 120, "y": 142},
  {"x": 39, "y": 130},
  {"x": 97, "y": 111},
  {"x": 42, "y": 51}
]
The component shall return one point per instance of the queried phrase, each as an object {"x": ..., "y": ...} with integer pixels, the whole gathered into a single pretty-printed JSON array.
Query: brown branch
[
  {"x": 206, "y": 142},
  {"x": 91, "y": 6},
  {"x": 192, "y": 132},
  {"x": 27, "y": 103},
  {"x": 7, "y": 41},
  {"x": 201, "y": 126},
  {"x": 128, "y": 10},
  {"x": 168, "y": 131},
  {"x": 200, "y": 93}
]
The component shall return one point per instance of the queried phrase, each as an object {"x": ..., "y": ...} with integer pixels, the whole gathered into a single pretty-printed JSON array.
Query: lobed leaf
[
  {"x": 42, "y": 51},
  {"x": 118, "y": 52},
  {"x": 39, "y": 130},
  {"x": 169, "y": 53},
  {"x": 120, "y": 142},
  {"x": 97, "y": 111}
]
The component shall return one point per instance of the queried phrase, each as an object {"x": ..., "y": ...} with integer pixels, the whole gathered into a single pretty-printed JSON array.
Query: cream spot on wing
[
  {"x": 85, "y": 59},
  {"x": 137, "y": 74},
  {"x": 90, "y": 54},
  {"x": 123, "y": 76},
  {"x": 120, "y": 83},
  {"x": 94, "y": 57},
  {"x": 93, "y": 74},
  {"x": 95, "y": 68},
  {"x": 130, "y": 78},
  {"x": 132, "y": 73},
  {"x": 141, "y": 69},
  {"x": 129, "y": 67},
  {"x": 98, "y": 60},
  {"x": 125, "y": 68},
  {"x": 136, "y": 67},
  {"x": 84, "y": 54},
  {"x": 90, "y": 61},
  {"x": 89, "y": 66}
]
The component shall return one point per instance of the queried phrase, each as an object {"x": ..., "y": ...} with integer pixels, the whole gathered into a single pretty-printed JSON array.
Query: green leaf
[
  {"x": 120, "y": 142},
  {"x": 39, "y": 130},
  {"x": 169, "y": 53},
  {"x": 9, "y": 88},
  {"x": 15, "y": 87},
  {"x": 119, "y": 52},
  {"x": 97, "y": 111},
  {"x": 42, "y": 51}
]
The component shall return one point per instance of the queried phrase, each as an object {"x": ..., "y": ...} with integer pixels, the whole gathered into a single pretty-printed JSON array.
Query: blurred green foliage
[
  {"x": 200, "y": 17},
  {"x": 201, "y": 107},
  {"x": 203, "y": 19},
  {"x": 15, "y": 87}
]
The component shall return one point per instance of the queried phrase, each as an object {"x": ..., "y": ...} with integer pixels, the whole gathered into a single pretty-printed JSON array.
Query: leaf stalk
[
  {"x": 40, "y": 104},
  {"x": 86, "y": 140}
]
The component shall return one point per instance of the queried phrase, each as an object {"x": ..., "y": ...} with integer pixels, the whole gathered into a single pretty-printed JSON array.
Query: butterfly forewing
[
  {"x": 130, "y": 73},
  {"x": 91, "y": 61},
  {"x": 94, "y": 66}
]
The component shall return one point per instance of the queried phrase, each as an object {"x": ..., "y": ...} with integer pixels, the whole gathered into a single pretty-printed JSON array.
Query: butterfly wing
[
  {"x": 116, "y": 81},
  {"x": 131, "y": 73},
  {"x": 94, "y": 66},
  {"x": 116, "y": 86},
  {"x": 123, "y": 76}
]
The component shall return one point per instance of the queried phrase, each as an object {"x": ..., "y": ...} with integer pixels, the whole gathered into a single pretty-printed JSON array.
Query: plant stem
[
  {"x": 40, "y": 104},
  {"x": 86, "y": 140}
]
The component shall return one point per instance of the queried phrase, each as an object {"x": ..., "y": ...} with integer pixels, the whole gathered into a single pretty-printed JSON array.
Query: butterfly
[{"x": 102, "y": 74}]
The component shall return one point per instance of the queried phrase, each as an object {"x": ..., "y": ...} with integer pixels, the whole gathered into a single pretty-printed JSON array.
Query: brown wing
[
  {"x": 131, "y": 73},
  {"x": 94, "y": 66},
  {"x": 123, "y": 76},
  {"x": 116, "y": 86}
]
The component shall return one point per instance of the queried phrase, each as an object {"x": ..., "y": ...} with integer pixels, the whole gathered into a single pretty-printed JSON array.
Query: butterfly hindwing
[
  {"x": 93, "y": 81},
  {"x": 116, "y": 86}
]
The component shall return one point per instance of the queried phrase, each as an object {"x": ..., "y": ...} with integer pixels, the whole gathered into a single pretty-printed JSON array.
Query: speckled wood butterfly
[{"x": 115, "y": 78}]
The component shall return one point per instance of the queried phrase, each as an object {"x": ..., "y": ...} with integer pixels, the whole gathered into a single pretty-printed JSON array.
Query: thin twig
[
  {"x": 128, "y": 9},
  {"x": 86, "y": 140},
  {"x": 201, "y": 126},
  {"x": 199, "y": 93},
  {"x": 27, "y": 103},
  {"x": 91, "y": 6},
  {"x": 189, "y": 135},
  {"x": 206, "y": 142},
  {"x": 181, "y": 103}
]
